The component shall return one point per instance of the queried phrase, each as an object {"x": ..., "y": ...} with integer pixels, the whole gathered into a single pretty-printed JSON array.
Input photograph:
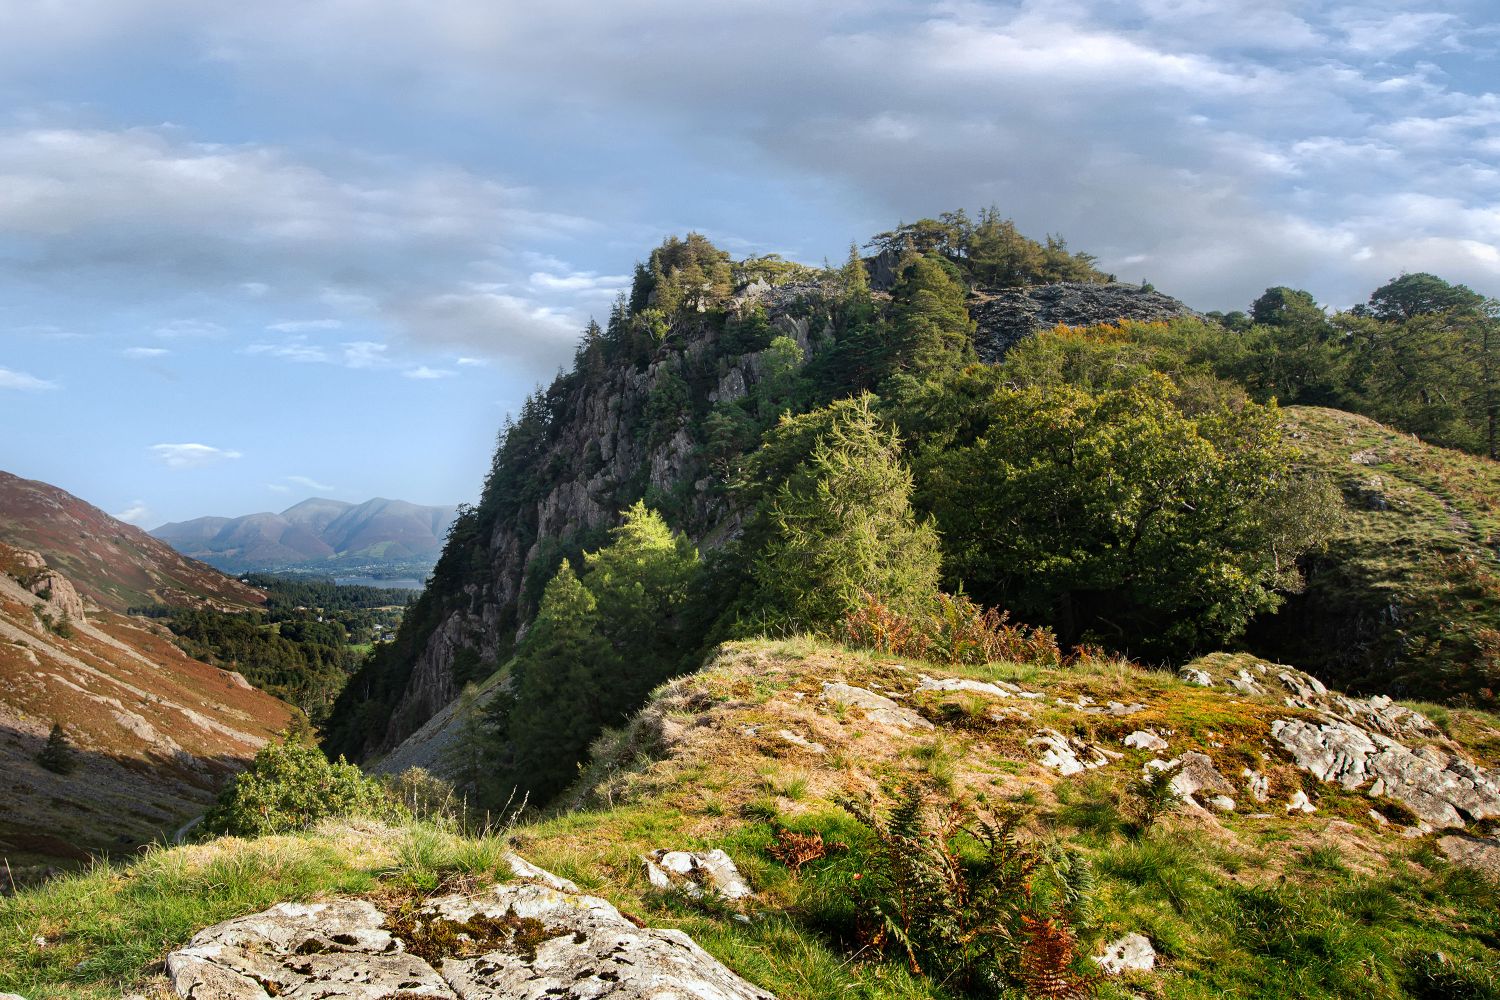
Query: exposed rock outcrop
[
  {"x": 1008, "y": 316},
  {"x": 525, "y": 939}
]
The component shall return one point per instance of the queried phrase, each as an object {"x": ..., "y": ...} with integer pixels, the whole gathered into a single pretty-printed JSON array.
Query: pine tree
[
  {"x": 58, "y": 755},
  {"x": 842, "y": 526},
  {"x": 557, "y": 705},
  {"x": 932, "y": 328}
]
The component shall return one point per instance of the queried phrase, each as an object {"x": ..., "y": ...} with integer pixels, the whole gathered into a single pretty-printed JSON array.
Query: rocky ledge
[{"x": 538, "y": 937}]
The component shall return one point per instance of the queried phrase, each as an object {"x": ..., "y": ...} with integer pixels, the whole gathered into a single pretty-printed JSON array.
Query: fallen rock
[
  {"x": 1145, "y": 739},
  {"x": 1131, "y": 953},
  {"x": 877, "y": 707},
  {"x": 518, "y": 940},
  {"x": 697, "y": 873},
  {"x": 1067, "y": 756}
]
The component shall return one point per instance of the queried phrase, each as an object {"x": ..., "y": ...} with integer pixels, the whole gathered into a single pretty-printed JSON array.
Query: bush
[
  {"x": 955, "y": 630},
  {"x": 292, "y": 786}
]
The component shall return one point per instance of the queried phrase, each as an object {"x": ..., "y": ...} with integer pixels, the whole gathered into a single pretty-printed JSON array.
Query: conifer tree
[
  {"x": 842, "y": 525},
  {"x": 932, "y": 328},
  {"x": 58, "y": 755}
]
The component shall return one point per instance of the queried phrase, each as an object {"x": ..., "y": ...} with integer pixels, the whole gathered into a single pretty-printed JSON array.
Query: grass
[{"x": 1280, "y": 907}]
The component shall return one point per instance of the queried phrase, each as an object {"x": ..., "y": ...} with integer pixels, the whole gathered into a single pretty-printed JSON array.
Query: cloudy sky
[{"x": 251, "y": 253}]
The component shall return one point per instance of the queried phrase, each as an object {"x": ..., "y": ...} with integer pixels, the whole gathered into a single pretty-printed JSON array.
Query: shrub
[
  {"x": 1152, "y": 795},
  {"x": 954, "y": 631},
  {"x": 291, "y": 786}
]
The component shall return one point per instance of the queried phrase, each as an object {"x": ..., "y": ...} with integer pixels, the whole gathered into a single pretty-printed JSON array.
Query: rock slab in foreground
[{"x": 519, "y": 940}]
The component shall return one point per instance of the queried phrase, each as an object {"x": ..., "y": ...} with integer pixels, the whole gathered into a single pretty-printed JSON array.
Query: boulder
[
  {"x": 1145, "y": 739},
  {"x": 1479, "y": 853},
  {"x": 1131, "y": 953},
  {"x": 697, "y": 873},
  {"x": 877, "y": 707},
  {"x": 525, "y": 939},
  {"x": 1067, "y": 756}
]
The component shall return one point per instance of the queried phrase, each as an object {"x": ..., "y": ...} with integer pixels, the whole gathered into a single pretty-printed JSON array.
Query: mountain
[
  {"x": 315, "y": 532},
  {"x": 154, "y": 733},
  {"x": 113, "y": 565}
]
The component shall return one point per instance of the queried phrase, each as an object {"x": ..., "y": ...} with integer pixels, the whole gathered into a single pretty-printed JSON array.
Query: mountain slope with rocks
[
  {"x": 113, "y": 565},
  {"x": 152, "y": 733}
]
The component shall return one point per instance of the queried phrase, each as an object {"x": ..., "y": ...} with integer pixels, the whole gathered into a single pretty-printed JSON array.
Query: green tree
[
  {"x": 1283, "y": 306},
  {"x": 1118, "y": 517},
  {"x": 58, "y": 755},
  {"x": 554, "y": 710},
  {"x": 780, "y": 370},
  {"x": 930, "y": 321},
  {"x": 1421, "y": 294},
  {"x": 840, "y": 524}
]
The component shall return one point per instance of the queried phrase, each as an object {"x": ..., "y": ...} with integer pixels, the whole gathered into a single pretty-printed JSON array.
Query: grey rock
[
  {"x": 1479, "y": 853},
  {"x": 1257, "y": 785},
  {"x": 1131, "y": 953},
  {"x": 811, "y": 746},
  {"x": 334, "y": 949},
  {"x": 589, "y": 950},
  {"x": 1005, "y": 317},
  {"x": 1067, "y": 756},
  {"x": 697, "y": 873},
  {"x": 1443, "y": 791},
  {"x": 1202, "y": 678},
  {"x": 576, "y": 946},
  {"x": 1299, "y": 802},
  {"x": 877, "y": 707},
  {"x": 1198, "y": 775},
  {"x": 1145, "y": 739}
]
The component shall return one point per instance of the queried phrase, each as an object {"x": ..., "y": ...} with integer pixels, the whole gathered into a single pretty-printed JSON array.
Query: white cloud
[
  {"x": 144, "y": 353},
  {"x": 136, "y": 513},
  {"x": 310, "y": 483},
  {"x": 471, "y": 362},
  {"x": 605, "y": 285},
  {"x": 10, "y": 379},
  {"x": 278, "y": 488},
  {"x": 305, "y": 325},
  {"x": 365, "y": 354},
  {"x": 191, "y": 456},
  {"x": 293, "y": 350},
  {"x": 425, "y": 373},
  {"x": 189, "y": 328}
]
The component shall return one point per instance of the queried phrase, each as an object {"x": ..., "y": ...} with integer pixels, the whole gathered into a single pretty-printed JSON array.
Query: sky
[{"x": 251, "y": 253}]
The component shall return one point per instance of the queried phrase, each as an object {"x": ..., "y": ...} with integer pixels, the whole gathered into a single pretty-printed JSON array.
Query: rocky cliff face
[
  {"x": 1007, "y": 316},
  {"x": 607, "y": 444}
]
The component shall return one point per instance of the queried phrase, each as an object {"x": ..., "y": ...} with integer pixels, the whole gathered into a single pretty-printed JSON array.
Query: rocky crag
[{"x": 610, "y": 435}]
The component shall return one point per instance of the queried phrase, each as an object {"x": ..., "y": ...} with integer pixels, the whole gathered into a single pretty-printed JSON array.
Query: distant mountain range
[{"x": 316, "y": 533}]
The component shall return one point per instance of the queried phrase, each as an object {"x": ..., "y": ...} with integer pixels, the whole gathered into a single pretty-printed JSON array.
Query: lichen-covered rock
[
  {"x": 1131, "y": 953},
  {"x": 1145, "y": 739},
  {"x": 1067, "y": 756},
  {"x": 697, "y": 873},
  {"x": 334, "y": 949},
  {"x": 1479, "y": 853},
  {"x": 877, "y": 707},
  {"x": 1442, "y": 790},
  {"x": 517, "y": 941},
  {"x": 1198, "y": 775},
  {"x": 1300, "y": 803}
]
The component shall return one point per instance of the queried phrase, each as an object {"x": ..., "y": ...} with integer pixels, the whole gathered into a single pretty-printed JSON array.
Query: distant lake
[{"x": 370, "y": 581}]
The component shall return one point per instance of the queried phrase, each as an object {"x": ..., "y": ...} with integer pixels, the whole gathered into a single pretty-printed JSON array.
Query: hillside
[
  {"x": 113, "y": 565},
  {"x": 155, "y": 733},
  {"x": 1309, "y": 856},
  {"x": 1405, "y": 599},
  {"x": 317, "y": 531}
]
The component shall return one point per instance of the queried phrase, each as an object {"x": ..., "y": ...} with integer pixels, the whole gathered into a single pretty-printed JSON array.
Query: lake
[{"x": 370, "y": 581}]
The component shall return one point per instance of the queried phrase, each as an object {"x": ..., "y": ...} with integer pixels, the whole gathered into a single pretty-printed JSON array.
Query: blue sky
[{"x": 251, "y": 253}]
